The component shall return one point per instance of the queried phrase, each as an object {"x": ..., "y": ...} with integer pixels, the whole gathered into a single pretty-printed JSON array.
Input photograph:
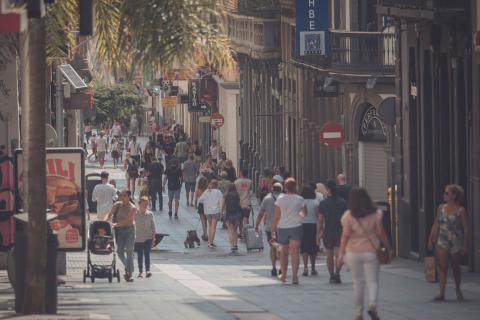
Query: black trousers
[
  {"x": 155, "y": 188},
  {"x": 143, "y": 249}
]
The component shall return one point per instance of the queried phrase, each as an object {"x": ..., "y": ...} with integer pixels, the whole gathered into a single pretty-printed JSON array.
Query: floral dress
[{"x": 450, "y": 236}]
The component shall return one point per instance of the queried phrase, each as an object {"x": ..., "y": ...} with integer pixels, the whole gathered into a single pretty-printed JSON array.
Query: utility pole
[{"x": 34, "y": 170}]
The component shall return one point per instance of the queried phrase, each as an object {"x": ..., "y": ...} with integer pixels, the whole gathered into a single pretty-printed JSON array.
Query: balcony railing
[
  {"x": 254, "y": 35},
  {"x": 363, "y": 52}
]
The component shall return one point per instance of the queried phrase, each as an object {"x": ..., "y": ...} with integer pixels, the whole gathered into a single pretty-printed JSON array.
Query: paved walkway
[{"x": 202, "y": 283}]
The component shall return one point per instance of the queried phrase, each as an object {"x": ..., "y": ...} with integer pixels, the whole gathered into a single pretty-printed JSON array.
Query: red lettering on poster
[{"x": 55, "y": 167}]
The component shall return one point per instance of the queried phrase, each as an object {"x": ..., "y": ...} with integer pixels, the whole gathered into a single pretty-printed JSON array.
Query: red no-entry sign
[
  {"x": 332, "y": 134},
  {"x": 216, "y": 120}
]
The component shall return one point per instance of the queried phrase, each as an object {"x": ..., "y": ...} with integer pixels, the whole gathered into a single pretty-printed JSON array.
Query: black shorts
[
  {"x": 309, "y": 239},
  {"x": 246, "y": 212},
  {"x": 331, "y": 241}
]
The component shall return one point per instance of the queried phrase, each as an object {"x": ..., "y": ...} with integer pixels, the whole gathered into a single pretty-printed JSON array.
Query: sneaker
[
  {"x": 305, "y": 273},
  {"x": 140, "y": 274},
  {"x": 337, "y": 278},
  {"x": 314, "y": 273},
  {"x": 176, "y": 215},
  {"x": 274, "y": 273},
  {"x": 332, "y": 279},
  {"x": 149, "y": 274}
]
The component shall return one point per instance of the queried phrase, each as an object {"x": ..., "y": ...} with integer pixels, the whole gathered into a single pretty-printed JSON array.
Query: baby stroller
[{"x": 101, "y": 244}]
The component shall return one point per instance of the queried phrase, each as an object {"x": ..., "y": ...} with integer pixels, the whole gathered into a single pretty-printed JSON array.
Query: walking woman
[
  {"x": 450, "y": 236},
  {"x": 309, "y": 247},
  {"x": 144, "y": 235},
  {"x": 131, "y": 166},
  {"x": 202, "y": 185},
  {"x": 211, "y": 199},
  {"x": 362, "y": 235},
  {"x": 287, "y": 227},
  {"x": 148, "y": 154},
  {"x": 115, "y": 152},
  {"x": 123, "y": 217},
  {"x": 231, "y": 212}
]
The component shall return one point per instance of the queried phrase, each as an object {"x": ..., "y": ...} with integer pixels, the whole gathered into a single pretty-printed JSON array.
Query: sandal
[
  {"x": 373, "y": 314},
  {"x": 210, "y": 246},
  {"x": 314, "y": 273},
  {"x": 295, "y": 281},
  {"x": 305, "y": 273},
  {"x": 460, "y": 296}
]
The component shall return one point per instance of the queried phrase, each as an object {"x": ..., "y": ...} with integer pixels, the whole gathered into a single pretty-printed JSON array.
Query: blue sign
[{"x": 312, "y": 35}]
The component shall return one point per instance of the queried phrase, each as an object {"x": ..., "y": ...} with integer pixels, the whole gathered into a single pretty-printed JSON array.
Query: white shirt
[
  {"x": 101, "y": 144},
  {"x": 211, "y": 200},
  {"x": 116, "y": 130},
  {"x": 134, "y": 148},
  {"x": 214, "y": 152},
  {"x": 290, "y": 206},
  {"x": 104, "y": 195}
]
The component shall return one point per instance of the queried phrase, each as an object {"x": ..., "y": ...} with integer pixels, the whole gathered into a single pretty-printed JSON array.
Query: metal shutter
[{"x": 373, "y": 169}]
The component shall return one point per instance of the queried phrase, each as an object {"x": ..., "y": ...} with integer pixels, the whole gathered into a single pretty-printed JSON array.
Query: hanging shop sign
[
  {"x": 312, "y": 35},
  {"x": 204, "y": 119},
  {"x": 194, "y": 96},
  {"x": 169, "y": 102},
  {"x": 65, "y": 194},
  {"x": 371, "y": 127}
]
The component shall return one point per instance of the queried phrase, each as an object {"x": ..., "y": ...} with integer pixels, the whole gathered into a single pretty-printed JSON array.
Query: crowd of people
[{"x": 297, "y": 220}]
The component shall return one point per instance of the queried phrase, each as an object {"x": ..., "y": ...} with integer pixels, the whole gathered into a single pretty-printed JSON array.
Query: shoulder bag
[{"x": 383, "y": 254}]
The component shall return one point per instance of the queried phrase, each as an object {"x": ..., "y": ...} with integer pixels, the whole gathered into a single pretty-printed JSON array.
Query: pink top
[{"x": 358, "y": 241}]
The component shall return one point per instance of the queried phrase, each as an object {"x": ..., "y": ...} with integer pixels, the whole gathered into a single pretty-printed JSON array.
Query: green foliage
[{"x": 116, "y": 101}]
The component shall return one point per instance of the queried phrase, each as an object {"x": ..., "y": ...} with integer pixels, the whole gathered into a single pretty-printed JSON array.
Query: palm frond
[
  {"x": 8, "y": 48},
  {"x": 60, "y": 21}
]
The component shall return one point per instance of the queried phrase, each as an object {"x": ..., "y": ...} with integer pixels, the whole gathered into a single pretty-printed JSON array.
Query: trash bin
[
  {"x": 91, "y": 180},
  {"x": 20, "y": 249},
  {"x": 387, "y": 218}
]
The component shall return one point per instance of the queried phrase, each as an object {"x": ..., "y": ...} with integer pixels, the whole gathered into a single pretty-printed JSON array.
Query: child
[
  {"x": 144, "y": 235},
  {"x": 102, "y": 241}
]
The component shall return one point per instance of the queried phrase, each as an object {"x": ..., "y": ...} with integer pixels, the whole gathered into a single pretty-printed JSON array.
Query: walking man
[
  {"x": 104, "y": 194},
  {"x": 214, "y": 150},
  {"x": 244, "y": 188},
  {"x": 190, "y": 171},
  {"x": 134, "y": 149},
  {"x": 267, "y": 212},
  {"x": 343, "y": 187},
  {"x": 173, "y": 175},
  {"x": 155, "y": 169},
  {"x": 181, "y": 150},
  {"x": 101, "y": 143},
  {"x": 329, "y": 225}
]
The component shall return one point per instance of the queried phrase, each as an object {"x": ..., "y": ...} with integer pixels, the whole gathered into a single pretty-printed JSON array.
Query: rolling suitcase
[{"x": 253, "y": 239}]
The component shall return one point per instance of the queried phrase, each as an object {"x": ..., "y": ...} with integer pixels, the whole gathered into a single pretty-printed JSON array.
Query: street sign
[
  {"x": 216, "y": 120},
  {"x": 204, "y": 119},
  {"x": 332, "y": 134},
  {"x": 169, "y": 102}
]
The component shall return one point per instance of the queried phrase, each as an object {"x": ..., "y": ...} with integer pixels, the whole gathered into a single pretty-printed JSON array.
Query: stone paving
[{"x": 202, "y": 283}]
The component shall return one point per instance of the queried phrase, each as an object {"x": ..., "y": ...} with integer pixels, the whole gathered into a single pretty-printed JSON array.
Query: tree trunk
[{"x": 34, "y": 163}]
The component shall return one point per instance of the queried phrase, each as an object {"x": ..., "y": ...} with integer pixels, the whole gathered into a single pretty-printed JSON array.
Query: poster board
[{"x": 65, "y": 194}]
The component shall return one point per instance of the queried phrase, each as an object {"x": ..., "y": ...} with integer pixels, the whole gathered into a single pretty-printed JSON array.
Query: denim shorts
[
  {"x": 215, "y": 216},
  {"x": 285, "y": 235},
  {"x": 174, "y": 194}
]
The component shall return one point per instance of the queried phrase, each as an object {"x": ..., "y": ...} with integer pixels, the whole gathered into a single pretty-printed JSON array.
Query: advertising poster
[{"x": 65, "y": 194}]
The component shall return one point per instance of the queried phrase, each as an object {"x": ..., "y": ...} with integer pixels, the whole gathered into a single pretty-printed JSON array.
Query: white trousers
[{"x": 365, "y": 268}]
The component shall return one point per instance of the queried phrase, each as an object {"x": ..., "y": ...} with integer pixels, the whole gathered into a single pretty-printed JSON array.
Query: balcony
[
  {"x": 365, "y": 53},
  {"x": 255, "y": 36}
]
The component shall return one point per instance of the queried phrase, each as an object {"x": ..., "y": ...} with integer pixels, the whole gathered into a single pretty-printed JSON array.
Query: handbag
[{"x": 383, "y": 254}]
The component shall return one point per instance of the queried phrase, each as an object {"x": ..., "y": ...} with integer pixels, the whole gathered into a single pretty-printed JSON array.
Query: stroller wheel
[
  {"x": 84, "y": 276},
  {"x": 92, "y": 278}
]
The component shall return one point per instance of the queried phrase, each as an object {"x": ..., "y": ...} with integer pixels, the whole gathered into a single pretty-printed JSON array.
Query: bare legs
[
  {"x": 212, "y": 227},
  {"x": 293, "y": 249},
  {"x": 442, "y": 256},
  {"x": 313, "y": 258},
  {"x": 232, "y": 234}
]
